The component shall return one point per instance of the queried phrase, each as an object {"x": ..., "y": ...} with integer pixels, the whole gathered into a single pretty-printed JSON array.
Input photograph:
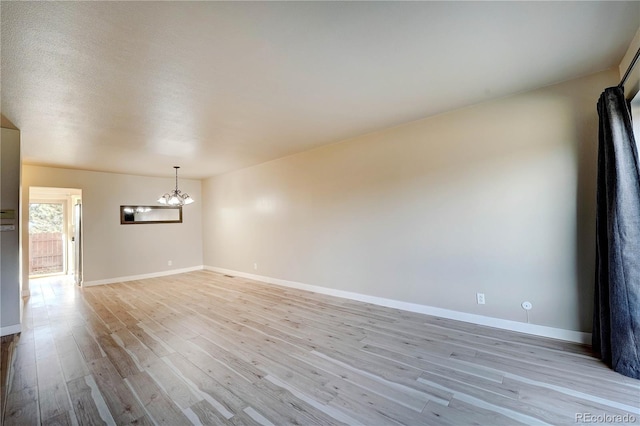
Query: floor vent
[{"x": 229, "y": 276}]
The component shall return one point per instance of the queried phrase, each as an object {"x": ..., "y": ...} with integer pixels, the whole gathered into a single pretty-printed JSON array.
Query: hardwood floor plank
[
  {"x": 203, "y": 348},
  {"x": 397, "y": 392},
  {"x": 483, "y": 399},
  {"x": 63, "y": 419},
  {"x": 44, "y": 343},
  {"x": 490, "y": 332},
  {"x": 296, "y": 373},
  {"x": 49, "y": 371},
  {"x": 207, "y": 415},
  {"x": 22, "y": 407},
  {"x": 53, "y": 400},
  {"x": 558, "y": 378},
  {"x": 85, "y": 408},
  {"x": 460, "y": 413},
  {"x": 179, "y": 391},
  {"x": 387, "y": 369},
  {"x": 245, "y": 369},
  {"x": 329, "y": 410},
  {"x": 308, "y": 414},
  {"x": 122, "y": 404},
  {"x": 162, "y": 409},
  {"x": 556, "y": 401},
  {"x": 87, "y": 344},
  {"x": 73, "y": 364},
  {"x": 122, "y": 361},
  {"x": 216, "y": 394},
  {"x": 7, "y": 350},
  {"x": 368, "y": 407},
  {"x": 137, "y": 351},
  {"x": 153, "y": 344},
  {"x": 107, "y": 317},
  {"x": 425, "y": 362},
  {"x": 255, "y": 417},
  {"x": 264, "y": 397},
  {"x": 509, "y": 389},
  {"x": 23, "y": 377}
]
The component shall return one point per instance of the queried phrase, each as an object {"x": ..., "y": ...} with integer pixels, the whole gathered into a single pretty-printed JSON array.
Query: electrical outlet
[
  {"x": 255, "y": 266},
  {"x": 480, "y": 298},
  {"x": 169, "y": 262}
]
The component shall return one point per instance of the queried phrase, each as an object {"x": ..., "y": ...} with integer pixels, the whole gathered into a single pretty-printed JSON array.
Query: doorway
[
  {"x": 47, "y": 231},
  {"x": 52, "y": 231}
]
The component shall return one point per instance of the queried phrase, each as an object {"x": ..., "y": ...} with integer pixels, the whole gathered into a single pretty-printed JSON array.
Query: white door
[{"x": 77, "y": 241}]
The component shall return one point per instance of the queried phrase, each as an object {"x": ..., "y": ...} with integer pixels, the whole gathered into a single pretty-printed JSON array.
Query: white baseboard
[
  {"x": 10, "y": 329},
  {"x": 142, "y": 276},
  {"x": 538, "y": 330}
]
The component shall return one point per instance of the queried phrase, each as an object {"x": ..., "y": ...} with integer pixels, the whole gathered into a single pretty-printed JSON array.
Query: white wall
[
  {"x": 112, "y": 250},
  {"x": 632, "y": 85},
  {"x": 10, "y": 302},
  {"x": 497, "y": 198}
]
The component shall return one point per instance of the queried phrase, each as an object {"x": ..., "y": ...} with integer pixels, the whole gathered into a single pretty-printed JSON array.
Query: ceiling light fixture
[{"x": 175, "y": 197}]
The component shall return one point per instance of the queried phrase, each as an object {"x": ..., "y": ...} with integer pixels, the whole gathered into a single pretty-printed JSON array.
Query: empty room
[{"x": 320, "y": 213}]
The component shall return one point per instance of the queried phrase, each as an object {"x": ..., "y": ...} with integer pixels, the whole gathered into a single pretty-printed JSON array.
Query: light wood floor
[{"x": 204, "y": 348}]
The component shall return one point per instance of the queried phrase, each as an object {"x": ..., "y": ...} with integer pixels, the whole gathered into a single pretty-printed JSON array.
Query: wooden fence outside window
[{"x": 46, "y": 253}]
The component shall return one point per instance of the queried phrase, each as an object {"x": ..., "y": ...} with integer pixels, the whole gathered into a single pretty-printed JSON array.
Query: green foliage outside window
[{"x": 45, "y": 218}]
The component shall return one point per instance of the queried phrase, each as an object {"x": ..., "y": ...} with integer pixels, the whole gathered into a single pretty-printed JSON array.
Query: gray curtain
[{"x": 616, "y": 327}]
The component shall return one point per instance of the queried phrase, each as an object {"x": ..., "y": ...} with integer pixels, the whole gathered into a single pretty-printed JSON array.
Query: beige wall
[
  {"x": 10, "y": 303},
  {"x": 496, "y": 198},
  {"x": 112, "y": 250}
]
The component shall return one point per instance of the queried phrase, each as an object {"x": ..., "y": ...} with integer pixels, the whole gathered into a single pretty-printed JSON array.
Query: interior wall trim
[
  {"x": 142, "y": 276},
  {"x": 528, "y": 328},
  {"x": 10, "y": 329}
]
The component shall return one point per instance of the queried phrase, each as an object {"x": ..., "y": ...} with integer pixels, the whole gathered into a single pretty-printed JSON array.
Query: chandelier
[{"x": 175, "y": 197}]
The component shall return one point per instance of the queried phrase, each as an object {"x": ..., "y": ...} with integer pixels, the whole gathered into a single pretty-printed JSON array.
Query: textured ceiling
[{"x": 136, "y": 87}]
